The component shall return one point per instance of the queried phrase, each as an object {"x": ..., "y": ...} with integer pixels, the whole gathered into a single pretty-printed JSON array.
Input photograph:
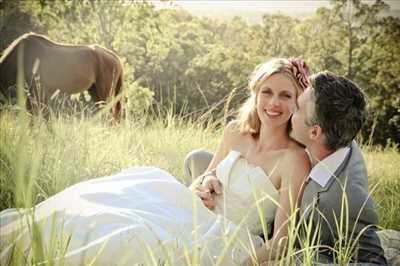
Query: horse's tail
[{"x": 109, "y": 79}]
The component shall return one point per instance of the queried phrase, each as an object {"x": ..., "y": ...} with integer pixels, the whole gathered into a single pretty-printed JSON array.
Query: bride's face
[{"x": 276, "y": 100}]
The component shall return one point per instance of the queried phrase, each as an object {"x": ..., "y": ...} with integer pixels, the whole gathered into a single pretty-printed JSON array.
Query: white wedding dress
[{"x": 144, "y": 212}]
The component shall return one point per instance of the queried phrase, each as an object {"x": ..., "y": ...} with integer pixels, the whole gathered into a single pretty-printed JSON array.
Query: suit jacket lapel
[
  {"x": 313, "y": 190},
  {"x": 310, "y": 198},
  {"x": 338, "y": 173}
]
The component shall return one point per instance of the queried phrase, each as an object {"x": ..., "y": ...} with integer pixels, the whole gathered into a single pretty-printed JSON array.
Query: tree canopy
[{"x": 171, "y": 56}]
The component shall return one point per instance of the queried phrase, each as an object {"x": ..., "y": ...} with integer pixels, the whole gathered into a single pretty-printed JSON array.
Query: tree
[
  {"x": 16, "y": 18},
  {"x": 195, "y": 62},
  {"x": 357, "y": 19},
  {"x": 275, "y": 37},
  {"x": 379, "y": 75},
  {"x": 318, "y": 42}
]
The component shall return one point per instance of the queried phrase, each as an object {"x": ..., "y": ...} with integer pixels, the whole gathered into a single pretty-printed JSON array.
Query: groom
[{"x": 330, "y": 114}]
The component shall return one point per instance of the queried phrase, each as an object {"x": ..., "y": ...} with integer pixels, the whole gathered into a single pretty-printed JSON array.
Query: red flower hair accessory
[{"x": 300, "y": 71}]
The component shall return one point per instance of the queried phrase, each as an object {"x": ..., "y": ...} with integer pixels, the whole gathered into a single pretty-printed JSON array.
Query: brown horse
[{"x": 50, "y": 67}]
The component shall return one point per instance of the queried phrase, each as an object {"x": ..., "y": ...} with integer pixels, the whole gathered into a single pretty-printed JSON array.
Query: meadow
[
  {"x": 176, "y": 56},
  {"x": 41, "y": 156}
]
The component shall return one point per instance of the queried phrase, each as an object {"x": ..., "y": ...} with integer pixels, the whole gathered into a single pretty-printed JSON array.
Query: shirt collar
[{"x": 323, "y": 170}]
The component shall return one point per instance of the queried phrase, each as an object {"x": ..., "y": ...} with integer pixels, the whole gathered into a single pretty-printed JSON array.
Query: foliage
[
  {"x": 138, "y": 99},
  {"x": 193, "y": 62},
  {"x": 380, "y": 76}
]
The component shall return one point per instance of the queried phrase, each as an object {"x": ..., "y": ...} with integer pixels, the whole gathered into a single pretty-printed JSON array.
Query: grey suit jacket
[{"x": 350, "y": 214}]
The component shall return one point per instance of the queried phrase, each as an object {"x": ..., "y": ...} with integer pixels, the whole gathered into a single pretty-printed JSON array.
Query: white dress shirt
[{"x": 323, "y": 170}]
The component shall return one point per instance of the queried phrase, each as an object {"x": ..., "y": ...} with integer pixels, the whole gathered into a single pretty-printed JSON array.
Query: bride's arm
[
  {"x": 292, "y": 179},
  {"x": 230, "y": 137},
  {"x": 208, "y": 182}
]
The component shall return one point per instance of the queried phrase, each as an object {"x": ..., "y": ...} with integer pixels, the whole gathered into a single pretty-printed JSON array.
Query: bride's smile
[{"x": 275, "y": 100}]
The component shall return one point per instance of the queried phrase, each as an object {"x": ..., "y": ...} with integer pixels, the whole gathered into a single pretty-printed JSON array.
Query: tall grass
[
  {"x": 41, "y": 156},
  {"x": 384, "y": 178},
  {"x": 67, "y": 150}
]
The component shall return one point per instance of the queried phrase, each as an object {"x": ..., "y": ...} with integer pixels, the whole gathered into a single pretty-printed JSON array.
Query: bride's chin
[{"x": 275, "y": 123}]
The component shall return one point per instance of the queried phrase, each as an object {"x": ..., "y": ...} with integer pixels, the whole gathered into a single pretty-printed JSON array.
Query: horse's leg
[
  {"x": 118, "y": 105},
  {"x": 94, "y": 98},
  {"x": 37, "y": 95},
  {"x": 29, "y": 105},
  {"x": 99, "y": 90},
  {"x": 32, "y": 95},
  {"x": 31, "y": 100},
  {"x": 92, "y": 92}
]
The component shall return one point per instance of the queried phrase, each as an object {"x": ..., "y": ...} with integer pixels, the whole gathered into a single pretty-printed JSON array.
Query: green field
[
  {"x": 40, "y": 157},
  {"x": 185, "y": 70},
  {"x": 52, "y": 155}
]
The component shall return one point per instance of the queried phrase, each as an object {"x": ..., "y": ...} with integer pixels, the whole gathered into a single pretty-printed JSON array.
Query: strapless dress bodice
[{"x": 249, "y": 197}]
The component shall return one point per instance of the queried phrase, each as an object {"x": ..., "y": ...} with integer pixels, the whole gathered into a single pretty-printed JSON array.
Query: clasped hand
[{"x": 208, "y": 190}]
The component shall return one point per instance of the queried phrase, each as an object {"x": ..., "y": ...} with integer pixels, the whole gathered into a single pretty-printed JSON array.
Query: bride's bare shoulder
[
  {"x": 233, "y": 135},
  {"x": 296, "y": 156}
]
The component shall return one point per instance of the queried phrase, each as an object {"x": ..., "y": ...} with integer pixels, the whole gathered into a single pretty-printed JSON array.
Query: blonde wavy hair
[{"x": 247, "y": 118}]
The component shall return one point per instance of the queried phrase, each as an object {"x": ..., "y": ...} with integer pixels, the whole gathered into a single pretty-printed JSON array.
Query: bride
[{"x": 143, "y": 215}]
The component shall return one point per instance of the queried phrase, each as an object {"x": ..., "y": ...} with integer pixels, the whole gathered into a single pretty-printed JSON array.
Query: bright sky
[
  {"x": 252, "y": 5},
  {"x": 293, "y": 6}
]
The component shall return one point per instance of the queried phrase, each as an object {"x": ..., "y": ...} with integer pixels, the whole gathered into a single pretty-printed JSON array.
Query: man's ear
[{"x": 315, "y": 133}]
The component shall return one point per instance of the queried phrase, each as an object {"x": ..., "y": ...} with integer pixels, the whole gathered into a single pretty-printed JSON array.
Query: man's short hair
[{"x": 339, "y": 108}]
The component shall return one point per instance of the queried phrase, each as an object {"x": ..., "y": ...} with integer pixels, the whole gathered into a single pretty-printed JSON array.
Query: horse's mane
[
  {"x": 41, "y": 37},
  {"x": 32, "y": 35},
  {"x": 17, "y": 41},
  {"x": 49, "y": 42}
]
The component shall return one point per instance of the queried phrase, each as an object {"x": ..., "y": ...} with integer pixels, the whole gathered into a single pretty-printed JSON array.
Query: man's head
[{"x": 330, "y": 112}]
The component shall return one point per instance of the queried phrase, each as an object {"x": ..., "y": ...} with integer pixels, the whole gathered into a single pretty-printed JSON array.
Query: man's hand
[{"x": 207, "y": 190}]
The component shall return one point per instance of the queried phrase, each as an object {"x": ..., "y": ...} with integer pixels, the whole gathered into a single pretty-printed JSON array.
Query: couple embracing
[{"x": 286, "y": 169}]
